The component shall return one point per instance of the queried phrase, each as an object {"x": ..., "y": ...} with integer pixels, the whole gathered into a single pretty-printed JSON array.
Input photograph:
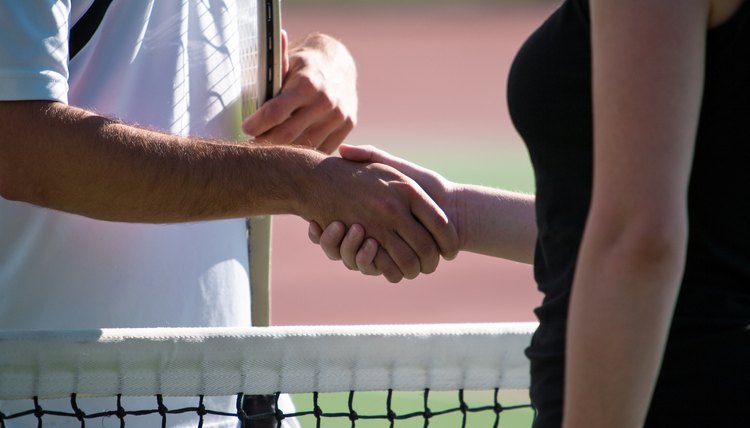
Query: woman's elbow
[{"x": 648, "y": 243}]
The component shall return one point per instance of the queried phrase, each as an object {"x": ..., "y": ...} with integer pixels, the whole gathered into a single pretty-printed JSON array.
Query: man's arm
[
  {"x": 69, "y": 159},
  {"x": 65, "y": 158}
]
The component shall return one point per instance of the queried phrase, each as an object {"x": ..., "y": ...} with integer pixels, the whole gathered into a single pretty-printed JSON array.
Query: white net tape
[{"x": 190, "y": 362}]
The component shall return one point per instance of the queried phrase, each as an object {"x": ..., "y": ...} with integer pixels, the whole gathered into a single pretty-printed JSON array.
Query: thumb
[{"x": 372, "y": 154}]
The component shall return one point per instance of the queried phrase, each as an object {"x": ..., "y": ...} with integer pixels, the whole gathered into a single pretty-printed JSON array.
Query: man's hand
[
  {"x": 317, "y": 106},
  {"x": 357, "y": 249},
  {"x": 409, "y": 226}
]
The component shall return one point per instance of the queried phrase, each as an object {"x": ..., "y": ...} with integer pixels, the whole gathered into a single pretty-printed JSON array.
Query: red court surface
[{"x": 424, "y": 72}]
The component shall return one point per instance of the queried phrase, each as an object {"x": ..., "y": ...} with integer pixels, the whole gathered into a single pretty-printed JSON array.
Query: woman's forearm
[
  {"x": 497, "y": 222},
  {"x": 623, "y": 297}
]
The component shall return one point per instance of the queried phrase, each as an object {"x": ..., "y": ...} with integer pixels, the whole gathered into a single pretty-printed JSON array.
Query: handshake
[
  {"x": 406, "y": 230},
  {"x": 397, "y": 219}
]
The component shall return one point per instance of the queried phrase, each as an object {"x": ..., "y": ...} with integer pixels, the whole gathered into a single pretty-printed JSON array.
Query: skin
[
  {"x": 489, "y": 221},
  {"x": 65, "y": 158},
  {"x": 317, "y": 106},
  {"x": 647, "y": 99}
]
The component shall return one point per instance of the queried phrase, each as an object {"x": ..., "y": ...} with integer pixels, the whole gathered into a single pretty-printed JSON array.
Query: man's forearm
[{"x": 72, "y": 160}]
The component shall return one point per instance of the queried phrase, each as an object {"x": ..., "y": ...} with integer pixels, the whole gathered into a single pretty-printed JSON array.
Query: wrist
[
  {"x": 455, "y": 209},
  {"x": 293, "y": 181}
]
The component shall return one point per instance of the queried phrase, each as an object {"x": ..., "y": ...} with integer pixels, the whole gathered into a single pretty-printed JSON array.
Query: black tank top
[{"x": 549, "y": 97}]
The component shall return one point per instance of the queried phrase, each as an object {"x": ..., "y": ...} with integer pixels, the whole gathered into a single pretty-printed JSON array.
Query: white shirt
[
  {"x": 167, "y": 64},
  {"x": 163, "y": 64}
]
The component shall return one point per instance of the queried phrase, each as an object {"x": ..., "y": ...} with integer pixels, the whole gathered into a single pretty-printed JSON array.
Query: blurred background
[{"x": 432, "y": 77}]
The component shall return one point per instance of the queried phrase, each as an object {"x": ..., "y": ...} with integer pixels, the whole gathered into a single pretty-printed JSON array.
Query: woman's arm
[
  {"x": 648, "y": 61},
  {"x": 496, "y": 222}
]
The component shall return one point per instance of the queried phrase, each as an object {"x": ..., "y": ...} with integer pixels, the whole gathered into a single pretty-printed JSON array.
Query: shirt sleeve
[{"x": 34, "y": 50}]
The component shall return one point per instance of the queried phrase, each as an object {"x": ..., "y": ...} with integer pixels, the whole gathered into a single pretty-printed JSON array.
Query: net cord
[{"x": 263, "y": 360}]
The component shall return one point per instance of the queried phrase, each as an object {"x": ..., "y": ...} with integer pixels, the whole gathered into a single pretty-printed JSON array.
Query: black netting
[{"x": 264, "y": 412}]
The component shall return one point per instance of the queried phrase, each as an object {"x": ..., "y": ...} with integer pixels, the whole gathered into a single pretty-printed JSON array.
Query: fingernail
[{"x": 355, "y": 230}]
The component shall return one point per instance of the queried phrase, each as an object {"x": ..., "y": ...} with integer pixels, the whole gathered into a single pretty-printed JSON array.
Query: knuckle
[
  {"x": 337, "y": 115},
  {"x": 410, "y": 266},
  {"x": 390, "y": 207},
  {"x": 306, "y": 87},
  {"x": 413, "y": 191},
  {"x": 388, "y": 268},
  {"x": 363, "y": 262},
  {"x": 427, "y": 249},
  {"x": 328, "y": 243},
  {"x": 349, "y": 247},
  {"x": 326, "y": 102},
  {"x": 349, "y": 123},
  {"x": 430, "y": 261},
  {"x": 407, "y": 189}
]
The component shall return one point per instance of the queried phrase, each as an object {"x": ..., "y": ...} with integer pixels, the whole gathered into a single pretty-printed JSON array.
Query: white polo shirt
[
  {"x": 163, "y": 64},
  {"x": 166, "y": 64}
]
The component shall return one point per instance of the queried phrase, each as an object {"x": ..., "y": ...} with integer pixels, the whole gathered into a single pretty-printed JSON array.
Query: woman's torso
[{"x": 549, "y": 96}]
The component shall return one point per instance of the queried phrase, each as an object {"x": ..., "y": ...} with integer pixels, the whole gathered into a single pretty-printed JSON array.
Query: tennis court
[{"x": 450, "y": 117}]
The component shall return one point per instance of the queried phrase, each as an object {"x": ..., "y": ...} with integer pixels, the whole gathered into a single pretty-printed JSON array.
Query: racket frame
[{"x": 259, "y": 228}]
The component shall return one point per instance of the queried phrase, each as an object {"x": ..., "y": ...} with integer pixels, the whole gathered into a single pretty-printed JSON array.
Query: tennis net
[{"x": 436, "y": 375}]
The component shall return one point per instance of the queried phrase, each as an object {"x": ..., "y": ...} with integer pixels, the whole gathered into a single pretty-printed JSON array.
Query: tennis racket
[
  {"x": 260, "y": 52},
  {"x": 259, "y": 23}
]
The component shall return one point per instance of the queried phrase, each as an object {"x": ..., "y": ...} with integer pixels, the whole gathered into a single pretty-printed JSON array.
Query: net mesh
[
  {"x": 436, "y": 375},
  {"x": 317, "y": 415}
]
